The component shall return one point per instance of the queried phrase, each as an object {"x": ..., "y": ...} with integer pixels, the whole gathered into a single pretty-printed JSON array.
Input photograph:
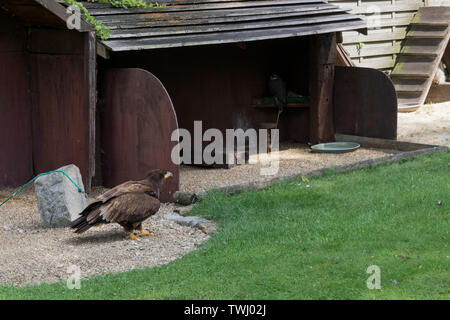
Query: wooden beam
[
  {"x": 60, "y": 11},
  {"x": 102, "y": 51},
  {"x": 342, "y": 58},
  {"x": 90, "y": 74},
  {"x": 321, "y": 82},
  {"x": 339, "y": 37}
]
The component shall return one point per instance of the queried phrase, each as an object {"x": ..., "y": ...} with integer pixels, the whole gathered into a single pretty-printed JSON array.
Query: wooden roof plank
[
  {"x": 121, "y": 30},
  {"x": 227, "y": 37},
  {"x": 96, "y": 5},
  {"x": 428, "y": 32},
  {"x": 432, "y": 16},
  {"x": 422, "y": 47},
  {"x": 163, "y": 16},
  {"x": 176, "y": 30},
  {"x": 201, "y": 22},
  {"x": 200, "y": 7}
]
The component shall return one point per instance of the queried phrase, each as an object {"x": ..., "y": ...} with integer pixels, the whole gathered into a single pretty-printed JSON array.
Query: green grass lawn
[{"x": 294, "y": 242}]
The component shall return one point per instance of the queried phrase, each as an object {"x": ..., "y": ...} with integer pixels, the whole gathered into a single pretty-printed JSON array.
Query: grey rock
[
  {"x": 202, "y": 224},
  {"x": 6, "y": 228},
  {"x": 185, "y": 221},
  {"x": 208, "y": 227},
  {"x": 59, "y": 201}
]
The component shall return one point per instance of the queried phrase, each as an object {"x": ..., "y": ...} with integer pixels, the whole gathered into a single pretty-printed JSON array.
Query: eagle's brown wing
[
  {"x": 126, "y": 187},
  {"x": 130, "y": 207},
  {"x": 127, "y": 208}
]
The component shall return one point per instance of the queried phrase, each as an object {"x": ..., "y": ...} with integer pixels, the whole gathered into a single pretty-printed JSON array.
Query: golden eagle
[{"x": 128, "y": 204}]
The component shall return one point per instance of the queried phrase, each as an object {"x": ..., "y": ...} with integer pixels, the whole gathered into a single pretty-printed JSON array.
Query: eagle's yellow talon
[
  {"x": 131, "y": 236},
  {"x": 145, "y": 233}
]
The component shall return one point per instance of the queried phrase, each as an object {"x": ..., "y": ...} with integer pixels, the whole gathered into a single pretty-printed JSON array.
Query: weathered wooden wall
[
  {"x": 47, "y": 101},
  {"x": 388, "y": 22},
  {"x": 217, "y": 84},
  {"x": 62, "y": 82},
  {"x": 16, "y": 165}
]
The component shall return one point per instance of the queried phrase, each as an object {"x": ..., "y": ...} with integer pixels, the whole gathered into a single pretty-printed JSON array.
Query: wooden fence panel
[{"x": 388, "y": 22}]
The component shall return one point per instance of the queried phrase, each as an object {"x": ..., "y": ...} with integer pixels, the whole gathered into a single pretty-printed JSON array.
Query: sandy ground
[{"x": 430, "y": 124}]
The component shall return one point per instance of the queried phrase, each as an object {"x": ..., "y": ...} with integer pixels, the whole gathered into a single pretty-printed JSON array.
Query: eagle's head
[{"x": 158, "y": 175}]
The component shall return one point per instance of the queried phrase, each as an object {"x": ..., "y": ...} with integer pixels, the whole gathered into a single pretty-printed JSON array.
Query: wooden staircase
[{"x": 419, "y": 59}]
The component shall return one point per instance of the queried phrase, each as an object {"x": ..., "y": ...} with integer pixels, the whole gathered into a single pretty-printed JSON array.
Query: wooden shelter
[{"x": 164, "y": 68}]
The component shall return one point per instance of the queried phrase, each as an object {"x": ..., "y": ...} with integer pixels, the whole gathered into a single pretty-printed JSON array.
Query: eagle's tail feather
[{"x": 81, "y": 225}]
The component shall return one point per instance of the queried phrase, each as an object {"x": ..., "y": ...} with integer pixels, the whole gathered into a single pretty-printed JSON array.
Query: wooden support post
[
  {"x": 321, "y": 82},
  {"x": 90, "y": 83}
]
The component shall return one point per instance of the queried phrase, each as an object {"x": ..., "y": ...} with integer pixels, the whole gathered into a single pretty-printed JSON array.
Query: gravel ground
[
  {"x": 32, "y": 254},
  {"x": 429, "y": 124},
  {"x": 294, "y": 158}
]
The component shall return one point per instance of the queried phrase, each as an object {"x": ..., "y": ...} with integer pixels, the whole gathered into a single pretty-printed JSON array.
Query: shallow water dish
[{"x": 335, "y": 147}]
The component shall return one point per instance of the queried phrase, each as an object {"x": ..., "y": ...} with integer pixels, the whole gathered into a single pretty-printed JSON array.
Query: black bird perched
[{"x": 277, "y": 88}]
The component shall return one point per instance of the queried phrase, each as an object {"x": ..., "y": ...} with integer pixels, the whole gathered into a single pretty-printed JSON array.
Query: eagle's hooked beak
[{"x": 168, "y": 175}]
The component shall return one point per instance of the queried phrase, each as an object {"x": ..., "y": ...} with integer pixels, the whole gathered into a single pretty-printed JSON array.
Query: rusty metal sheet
[
  {"x": 136, "y": 126},
  {"x": 365, "y": 103}
]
